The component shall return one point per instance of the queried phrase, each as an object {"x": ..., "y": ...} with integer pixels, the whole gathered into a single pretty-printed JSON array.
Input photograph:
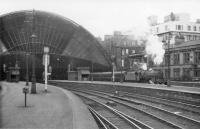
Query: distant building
[
  {"x": 184, "y": 48},
  {"x": 177, "y": 17},
  {"x": 177, "y": 28},
  {"x": 124, "y": 48},
  {"x": 184, "y": 61}
]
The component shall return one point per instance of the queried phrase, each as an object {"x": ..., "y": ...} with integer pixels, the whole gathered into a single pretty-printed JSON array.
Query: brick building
[
  {"x": 127, "y": 51},
  {"x": 184, "y": 61}
]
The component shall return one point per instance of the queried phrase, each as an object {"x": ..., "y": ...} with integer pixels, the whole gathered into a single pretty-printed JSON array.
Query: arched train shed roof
[{"x": 31, "y": 30}]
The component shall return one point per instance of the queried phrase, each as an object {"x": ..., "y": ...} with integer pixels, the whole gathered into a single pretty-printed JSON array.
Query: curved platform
[{"x": 58, "y": 108}]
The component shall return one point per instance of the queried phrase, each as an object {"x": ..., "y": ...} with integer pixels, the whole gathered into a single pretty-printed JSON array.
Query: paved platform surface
[
  {"x": 56, "y": 109},
  {"x": 186, "y": 89}
]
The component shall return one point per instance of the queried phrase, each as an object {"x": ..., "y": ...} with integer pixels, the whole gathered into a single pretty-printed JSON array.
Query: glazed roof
[{"x": 31, "y": 30}]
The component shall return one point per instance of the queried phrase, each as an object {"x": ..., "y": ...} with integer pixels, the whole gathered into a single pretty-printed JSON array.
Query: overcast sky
[{"x": 102, "y": 17}]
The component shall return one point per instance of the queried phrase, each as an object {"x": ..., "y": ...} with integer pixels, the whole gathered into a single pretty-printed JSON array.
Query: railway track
[
  {"x": 187, "y": 110},
  {"x": 110, "y": 118},
  {"x": 106, "y": 124},
  {"x": 102, "y": 122},
  {"x": 187, "y": 106},
  {"x": 183, "y": 110},
  {"x": 178, "y": 114},
  {"x": 133, "y": 113},
  {"x": 179, "y": 108},
  {"x": 190, "y": 102},
  {"x": 164, "y": 115}
]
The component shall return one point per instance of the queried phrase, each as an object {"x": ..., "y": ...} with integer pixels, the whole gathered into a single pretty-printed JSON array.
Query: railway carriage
[
  {"x": 132, "y": 76},
  {"x": 106, "y": 76}
]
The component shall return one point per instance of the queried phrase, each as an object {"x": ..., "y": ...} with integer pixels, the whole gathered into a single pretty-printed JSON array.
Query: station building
[
  {"x": 184, "y": 61},
  {"x": 25, "y": 34},
  {"x": 181, "y": 41}
]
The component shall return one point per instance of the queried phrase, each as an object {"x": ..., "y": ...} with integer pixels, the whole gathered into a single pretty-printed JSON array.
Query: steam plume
[
  {"x": 153, "y": 46},
  {"x": 155, "y": 49}
]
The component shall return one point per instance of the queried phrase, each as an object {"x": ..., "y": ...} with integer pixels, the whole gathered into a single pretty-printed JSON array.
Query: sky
[{"x": 101, "y": 17}]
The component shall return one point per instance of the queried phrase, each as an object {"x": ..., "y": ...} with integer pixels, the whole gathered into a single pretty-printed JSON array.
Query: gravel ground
[{"x": 44, "y": 110}]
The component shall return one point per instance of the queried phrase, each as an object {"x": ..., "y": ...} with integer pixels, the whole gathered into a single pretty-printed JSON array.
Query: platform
[
  {"x": 56, "y": 109},
  {"x": 173, "y": 93},
  {"x": 185, "y": 89}
]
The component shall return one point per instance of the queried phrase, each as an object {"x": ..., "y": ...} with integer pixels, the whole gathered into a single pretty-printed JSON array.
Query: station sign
[{"x": 25, "y": 90}]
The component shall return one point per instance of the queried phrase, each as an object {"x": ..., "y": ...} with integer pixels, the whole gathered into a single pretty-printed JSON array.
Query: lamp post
[
  {"x": 122, "y": 64},
  {"x": 33, "y": 79},
  {"x": 0, "y": 72},
  {"x": 168, "y": 64},
  {"x": 116, "y": 92},
  {"x": 33, "y": 36},
  {"x": 122, "y": 61},
  {"x": 92, "y": 71},
  {"x": 113, "y": 69},
  {"x": 27, "y": 20},
  {"x": 57, "y": 67},
  {"x": 46, "y": 63},
  {"x": 27, "y": 76}
]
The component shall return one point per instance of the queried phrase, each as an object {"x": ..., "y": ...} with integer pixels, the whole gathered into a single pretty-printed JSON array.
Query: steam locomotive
[{"x": 143, "y": 76}]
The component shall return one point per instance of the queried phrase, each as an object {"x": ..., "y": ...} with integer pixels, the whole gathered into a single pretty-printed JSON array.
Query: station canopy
[{"x": 31, "y": 30}]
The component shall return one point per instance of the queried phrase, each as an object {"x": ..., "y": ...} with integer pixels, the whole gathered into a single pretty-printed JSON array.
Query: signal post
[{"x": 46, "y": 63}]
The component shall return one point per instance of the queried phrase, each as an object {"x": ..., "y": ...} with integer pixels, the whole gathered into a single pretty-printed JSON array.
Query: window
[
  {"x": 195, "y": 37},
  {"x": 186, "y": 72},
  {"x": 197, "y": 73},
  {"x": 192, "y": 37},
  {"x": 178, "y": 27},
  {"x": 176, "y": 59},
  {"x": 189, "y": 28},
  {"x": 167, "y": 60},
  {"x": 189, "y": 37},
  {"x": 176, "y": 73},
  {"x": 166, "y": 73},
  {"x": 195, "y": 28},
  {"x": 197, "y": 57},
  {"x": 186, "y": 58}
]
